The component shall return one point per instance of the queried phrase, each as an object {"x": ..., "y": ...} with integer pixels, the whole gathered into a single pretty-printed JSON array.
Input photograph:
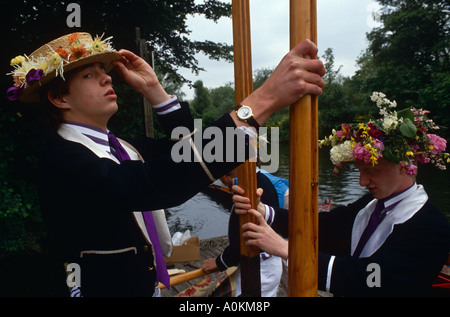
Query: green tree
[
  {"x": 223, "y": 99},
  {"x": 334, "y": 107},
  {"x": 260, "y": 76},
  {"x": 202, "y": 99},
  {"x": 408, "y": 57}
]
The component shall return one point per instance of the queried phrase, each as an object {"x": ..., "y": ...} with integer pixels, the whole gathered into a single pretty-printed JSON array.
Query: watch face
[{"x": 244, "y": 112}]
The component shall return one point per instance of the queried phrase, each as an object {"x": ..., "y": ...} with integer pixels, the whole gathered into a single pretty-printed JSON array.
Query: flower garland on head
[
  {"x": 401, "y": 137},
  {"x": 28, "y": 70}
]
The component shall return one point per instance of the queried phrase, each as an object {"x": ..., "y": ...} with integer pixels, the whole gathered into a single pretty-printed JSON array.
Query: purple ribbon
[
  {"x": 33, "y": 76},
  {"x": 14, "y": 93},
  {"x": 161, "y": 270}
]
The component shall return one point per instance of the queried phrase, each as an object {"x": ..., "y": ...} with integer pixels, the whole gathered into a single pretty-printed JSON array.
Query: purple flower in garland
[{"x": 34, "y": 75}]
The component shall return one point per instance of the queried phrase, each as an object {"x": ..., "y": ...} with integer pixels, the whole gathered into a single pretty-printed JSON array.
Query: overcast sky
[{"x": 342, "y": 26}]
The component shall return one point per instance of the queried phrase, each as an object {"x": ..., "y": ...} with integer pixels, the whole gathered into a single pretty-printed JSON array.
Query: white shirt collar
[
  {"x": 97, "y": 135},
  {"x": 390, "y": 203},
  {"x": 403, "y": 207}
]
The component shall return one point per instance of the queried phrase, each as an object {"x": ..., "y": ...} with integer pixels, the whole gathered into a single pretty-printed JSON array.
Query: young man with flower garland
[
  {"x": 394, "y": 229},
  {"x": 92, "y": 184}
]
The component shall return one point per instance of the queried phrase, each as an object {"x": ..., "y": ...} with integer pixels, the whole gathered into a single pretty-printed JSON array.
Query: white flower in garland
[{"x": 342, "y": 153}]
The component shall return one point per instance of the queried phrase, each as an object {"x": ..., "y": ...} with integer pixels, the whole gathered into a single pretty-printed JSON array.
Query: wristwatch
[{"x": 245, "y": 114}]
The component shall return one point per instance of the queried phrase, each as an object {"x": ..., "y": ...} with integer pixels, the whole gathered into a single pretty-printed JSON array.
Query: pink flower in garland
[
  {"x": 361, "y": 153},
  {"x": 422, "y": 159},
  {"x": 345, "y": 132},
  {"x": 410, "y": 169},
  {"x": 378, "y": 144},
  {"x": 439, "y": 144}
]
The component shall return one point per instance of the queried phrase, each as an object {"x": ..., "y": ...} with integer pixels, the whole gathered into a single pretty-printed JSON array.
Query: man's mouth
[{"x": 110, "y": 92}]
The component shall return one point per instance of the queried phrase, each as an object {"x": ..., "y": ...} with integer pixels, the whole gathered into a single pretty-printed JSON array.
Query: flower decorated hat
[
  {"x": 53, "y": 59},
  {"x": 406, "y": 137}
]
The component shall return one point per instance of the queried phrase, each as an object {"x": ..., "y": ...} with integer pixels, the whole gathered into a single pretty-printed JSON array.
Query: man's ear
[{"x": 59, "y": 102}]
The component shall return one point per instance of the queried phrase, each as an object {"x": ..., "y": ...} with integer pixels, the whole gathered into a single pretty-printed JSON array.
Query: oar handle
[{"x": 178, "y": 279}]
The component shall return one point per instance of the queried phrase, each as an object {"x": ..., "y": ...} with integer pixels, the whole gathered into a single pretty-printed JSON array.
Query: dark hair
[{"x": 58, "y": 87}]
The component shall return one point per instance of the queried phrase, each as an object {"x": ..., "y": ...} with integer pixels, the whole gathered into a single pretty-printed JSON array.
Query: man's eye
[{"x": 88, "y": 75}]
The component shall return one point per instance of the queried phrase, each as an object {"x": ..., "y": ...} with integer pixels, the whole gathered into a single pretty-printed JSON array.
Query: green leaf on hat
[
  {"x": 406, "y": 114},
  {"x": 408, "y": 129},
  {"x": 388, "y": 154}
]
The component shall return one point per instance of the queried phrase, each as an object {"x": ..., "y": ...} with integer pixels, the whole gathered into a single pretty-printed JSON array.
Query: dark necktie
[
  {"x": 374, "y": 221},
  {"x": 161, "y": 270}
]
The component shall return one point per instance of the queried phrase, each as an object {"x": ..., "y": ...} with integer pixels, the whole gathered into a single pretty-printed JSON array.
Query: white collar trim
[
  {"x": 409, "y": 202},
  {"x": 70, "y": 133}
]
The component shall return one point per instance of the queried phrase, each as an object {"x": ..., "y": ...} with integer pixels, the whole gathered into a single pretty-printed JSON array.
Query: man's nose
[
  {"x": 106, "y": 80},
  {"x": 363, "y": 180}
]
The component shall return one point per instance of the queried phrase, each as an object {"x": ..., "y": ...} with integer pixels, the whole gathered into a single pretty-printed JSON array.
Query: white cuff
[
  {"x": 167, "y": 106},
  {"x": 270, "y": 214},
  {"x": 329, "y": 271}
]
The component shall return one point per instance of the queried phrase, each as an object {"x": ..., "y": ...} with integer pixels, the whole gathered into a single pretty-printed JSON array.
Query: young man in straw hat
[
  {"x": 391, "y": 242},
  {"x": 92, "y": 185}
]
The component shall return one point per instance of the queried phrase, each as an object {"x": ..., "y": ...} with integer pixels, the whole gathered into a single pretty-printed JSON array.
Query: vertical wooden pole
[
  {"x": 315, "y": 138},
  {"x": 249, "y": 263},
  {"x": 148, "y": 111},
  {"x": 303, "y": 204}
]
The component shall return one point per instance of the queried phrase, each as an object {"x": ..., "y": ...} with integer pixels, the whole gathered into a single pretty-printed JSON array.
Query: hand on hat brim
[{"x": 140, "y": 76}]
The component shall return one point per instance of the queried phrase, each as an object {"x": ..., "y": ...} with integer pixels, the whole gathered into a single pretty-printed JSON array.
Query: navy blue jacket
[
  {"x": 87, "y": 204},
  {"x": 409, "y": 260}
]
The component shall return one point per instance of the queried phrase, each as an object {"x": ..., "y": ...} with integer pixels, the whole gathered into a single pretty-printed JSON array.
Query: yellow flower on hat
[
  {"x": 43, "y": 64},
  {"x": 27, "y": 65},
  {"x": 97, "y": 46},
  {"x": 54, "y": 61},
  {"x": 17, "y": 60}
]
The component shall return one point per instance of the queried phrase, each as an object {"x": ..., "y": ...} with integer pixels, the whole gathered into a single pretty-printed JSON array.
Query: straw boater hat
[{"x": 54, "y": 59}]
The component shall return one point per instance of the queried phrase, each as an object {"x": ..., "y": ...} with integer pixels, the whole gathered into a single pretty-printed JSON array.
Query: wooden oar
[
  {"x": 303, "y": 201},
  {"x": 249, "y": 262},
  {"x": 221, "y": 188},
  {"x": 181, "y": 278}
]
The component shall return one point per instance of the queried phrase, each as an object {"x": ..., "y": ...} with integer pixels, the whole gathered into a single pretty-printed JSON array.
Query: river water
[{"x": 206, "y": 218}]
